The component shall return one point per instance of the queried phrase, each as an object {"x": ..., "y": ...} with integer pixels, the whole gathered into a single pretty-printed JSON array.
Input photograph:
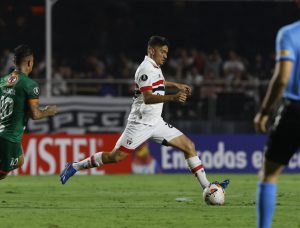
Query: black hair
[
  {"x": 21, "y": 52},
  {"x": 158, "y": 41}
]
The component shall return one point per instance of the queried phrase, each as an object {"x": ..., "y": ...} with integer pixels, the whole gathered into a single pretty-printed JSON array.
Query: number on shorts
[{"x": 14, "y": 162}]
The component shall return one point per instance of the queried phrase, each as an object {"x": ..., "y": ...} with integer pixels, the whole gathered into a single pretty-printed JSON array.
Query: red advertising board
[{"x": 47, "y": 154}]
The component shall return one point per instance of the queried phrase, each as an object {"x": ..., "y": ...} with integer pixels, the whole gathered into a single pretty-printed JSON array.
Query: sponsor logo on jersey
[
  {"x": 144, "y": 77},
  {"x": 36, "y": 90},
  {"x": 283, "y": 52},
  {"x": 129, "y": 141},
  {"x": 12, "y": 79}
]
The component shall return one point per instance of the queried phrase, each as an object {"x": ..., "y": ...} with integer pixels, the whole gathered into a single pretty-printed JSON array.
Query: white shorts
[{"x": 135, "y": 134}]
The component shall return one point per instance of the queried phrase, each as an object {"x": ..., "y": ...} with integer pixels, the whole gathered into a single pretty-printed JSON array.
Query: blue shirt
[{"x": 288, "y": 48}]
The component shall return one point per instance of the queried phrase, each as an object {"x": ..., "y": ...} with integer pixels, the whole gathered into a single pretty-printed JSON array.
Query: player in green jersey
[{"x": 19, "y": 100}]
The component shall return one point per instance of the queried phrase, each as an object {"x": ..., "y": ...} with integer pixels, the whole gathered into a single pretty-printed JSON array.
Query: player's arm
[
  {"x": 36, "y": 112},
  {"x": 181, "y": 87},
  {"x": 275, "y": 90},
  {"x": 150, "y": 98}
]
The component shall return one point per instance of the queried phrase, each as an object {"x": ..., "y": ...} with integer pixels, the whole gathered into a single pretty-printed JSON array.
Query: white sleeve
[{"x": 144, "y": 79}]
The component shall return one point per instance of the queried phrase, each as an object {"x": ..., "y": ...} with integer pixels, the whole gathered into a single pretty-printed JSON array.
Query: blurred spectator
[
  {"x": 233, "y": 66},
  {"x": 6, "y": 62},
  {"x": 186, "y": 59},
  {"x": 193, "y": 77},
  {"x": 95, "y": 67},
  {"x": 210, "y": 87},
  {"x": 98, "y": 71},
  {"x": 60, "y": 86},
  {"x": 126, "y": 67},
  {"x": 199, "y": 60},
  {"x": 40, "y": 66},
  {"x": 173, "y": 65},
  {"x": 213, "y": 64},
  {"x": 233, "y": 69},
  {"x": 4, "y": 34},
  {"x": 258, "y": 68}
]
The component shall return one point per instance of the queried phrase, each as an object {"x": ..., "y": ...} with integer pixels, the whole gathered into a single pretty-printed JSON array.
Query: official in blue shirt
[{"x": 284, "y": 137}]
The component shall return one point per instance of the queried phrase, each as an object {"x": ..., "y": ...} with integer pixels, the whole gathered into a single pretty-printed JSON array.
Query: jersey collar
[
  {"x": 17, "y": 71},
  {"x": 151, "y": 61}
]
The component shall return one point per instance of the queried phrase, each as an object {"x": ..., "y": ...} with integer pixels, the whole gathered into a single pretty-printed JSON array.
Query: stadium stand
[{"x": 227, "y": 63}]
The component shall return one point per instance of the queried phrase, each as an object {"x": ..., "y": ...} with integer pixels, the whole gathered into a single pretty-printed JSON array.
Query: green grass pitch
[{"x": 138, "y": 201}]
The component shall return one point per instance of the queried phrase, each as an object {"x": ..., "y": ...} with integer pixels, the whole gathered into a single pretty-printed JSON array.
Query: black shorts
[
  {"x": 9, "y": 155},
  {"x": 284, "y": 137}
]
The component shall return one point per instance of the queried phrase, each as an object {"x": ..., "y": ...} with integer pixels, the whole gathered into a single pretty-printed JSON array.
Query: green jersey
[{"x": 16, "y": 89}]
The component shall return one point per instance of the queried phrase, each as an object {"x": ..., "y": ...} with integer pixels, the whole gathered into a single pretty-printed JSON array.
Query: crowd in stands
[
  {"x": 230, "y": 79},
  {"x": 228, "y": 69}
]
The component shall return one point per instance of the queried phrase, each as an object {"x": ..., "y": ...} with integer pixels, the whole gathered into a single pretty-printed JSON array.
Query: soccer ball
[{"x": 214, "y": 194}]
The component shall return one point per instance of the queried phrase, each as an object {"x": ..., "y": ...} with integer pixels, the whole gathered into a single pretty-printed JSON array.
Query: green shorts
[{"x": 9, "y": 155}]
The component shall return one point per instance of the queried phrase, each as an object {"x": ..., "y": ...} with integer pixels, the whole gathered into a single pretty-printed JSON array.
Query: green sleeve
[{"x": 32, "y": 90}]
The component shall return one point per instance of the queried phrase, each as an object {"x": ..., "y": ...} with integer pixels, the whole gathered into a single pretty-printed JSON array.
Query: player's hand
[
  {"x": 184, "y": 88},
  {"x": 51, "y": 109},
  {"x": 260, "y": 122},
  {"x": 180, "y": 97}
]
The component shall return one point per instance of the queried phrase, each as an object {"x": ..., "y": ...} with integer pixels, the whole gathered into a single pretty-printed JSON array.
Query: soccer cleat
[
  {"x": 223, "y": 184},
  {"x": 67, "y": 173}
]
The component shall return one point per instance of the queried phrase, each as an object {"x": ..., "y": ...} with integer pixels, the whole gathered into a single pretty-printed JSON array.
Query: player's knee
[
  {"x": 269, "y": 177},
  {"x": 20, "y": 162},
  {"x": 190, "y": 148},
  {"x": 271, "y": 171}
]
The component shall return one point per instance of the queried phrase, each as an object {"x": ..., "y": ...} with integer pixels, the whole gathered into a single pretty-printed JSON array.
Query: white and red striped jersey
[{"x": 148, "y": 76}]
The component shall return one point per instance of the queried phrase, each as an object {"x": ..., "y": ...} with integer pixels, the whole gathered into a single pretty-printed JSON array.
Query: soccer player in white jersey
[{"x": 145, "y": 121}]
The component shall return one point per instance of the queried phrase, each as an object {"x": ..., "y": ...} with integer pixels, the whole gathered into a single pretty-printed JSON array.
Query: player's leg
[
  {"x": 3, "y": 162},
  {"x": 11, "y": 157},
  {"x": 270, "y": 171},
  {"x": 282, "y": 143},
  {"x": 133, "y": 136},
  {"x": 19, "y": 163},
  {"x": 96, "y": 160},
  {"x": 277, "y": 157},
  {"x": 100, "y": 158},
  {"x": 266, "y": 193},
  {"x": 170, "y": 136},
  {"x": 194, "y": 163}
]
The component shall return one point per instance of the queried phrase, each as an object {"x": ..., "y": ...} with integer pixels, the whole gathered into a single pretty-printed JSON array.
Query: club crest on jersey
[
  {"x": 129, "y": 141},
  {"x": 144, "y": 77},
  {"x": 36, "y": 90},
  {"x": 12, "y": 80}
]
